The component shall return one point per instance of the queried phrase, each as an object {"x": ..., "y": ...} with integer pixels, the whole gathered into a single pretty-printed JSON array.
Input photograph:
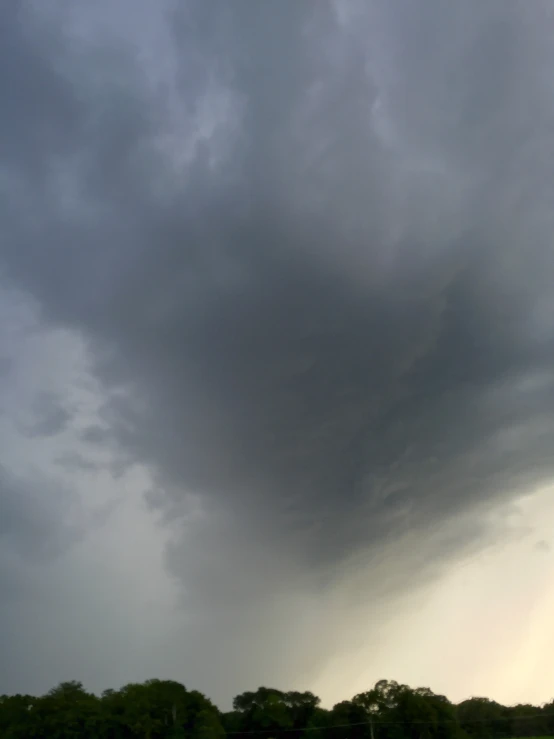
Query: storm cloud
[{"x": 308, "y": 249}]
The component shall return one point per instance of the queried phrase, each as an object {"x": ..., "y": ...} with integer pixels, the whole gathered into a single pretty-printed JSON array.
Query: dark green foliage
[
  {"x": 156, "y": 709},
  {"x": 164, "y": 709}
]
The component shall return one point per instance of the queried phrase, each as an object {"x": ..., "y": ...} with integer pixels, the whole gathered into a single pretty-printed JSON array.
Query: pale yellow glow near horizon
[{"x": 484, "y": 628}]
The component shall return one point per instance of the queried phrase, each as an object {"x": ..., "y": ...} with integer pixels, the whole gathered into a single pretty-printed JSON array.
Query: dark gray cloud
[
  {"x": 5, "y": 366},
  {"x": 34, "y": 524},
  {"x": 334, "y": 327},
  {"x": 50, "y": 415}
]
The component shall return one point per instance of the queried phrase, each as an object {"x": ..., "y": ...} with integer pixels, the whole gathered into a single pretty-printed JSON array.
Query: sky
[{"x": 277, "y": 345}]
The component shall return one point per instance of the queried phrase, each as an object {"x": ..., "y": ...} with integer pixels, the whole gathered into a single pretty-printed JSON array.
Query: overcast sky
[{"x": 277, "y": 345}]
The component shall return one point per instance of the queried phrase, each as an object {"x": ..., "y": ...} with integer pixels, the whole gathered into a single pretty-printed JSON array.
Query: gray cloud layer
[{"x": 333, "y": 324}]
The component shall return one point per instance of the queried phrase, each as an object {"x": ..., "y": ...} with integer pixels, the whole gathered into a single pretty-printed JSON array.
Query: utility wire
[{"x": 377, "y": 722}]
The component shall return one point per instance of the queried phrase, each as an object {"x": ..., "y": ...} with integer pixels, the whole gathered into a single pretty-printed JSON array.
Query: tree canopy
[{"x": 165, "y": 709}]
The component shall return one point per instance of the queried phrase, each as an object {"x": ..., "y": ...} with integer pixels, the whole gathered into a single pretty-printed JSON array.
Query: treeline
[{"x": 164, "y": 709}]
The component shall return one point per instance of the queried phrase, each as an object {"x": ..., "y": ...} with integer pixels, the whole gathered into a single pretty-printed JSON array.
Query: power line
[{"x": 528, "y": 717}]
